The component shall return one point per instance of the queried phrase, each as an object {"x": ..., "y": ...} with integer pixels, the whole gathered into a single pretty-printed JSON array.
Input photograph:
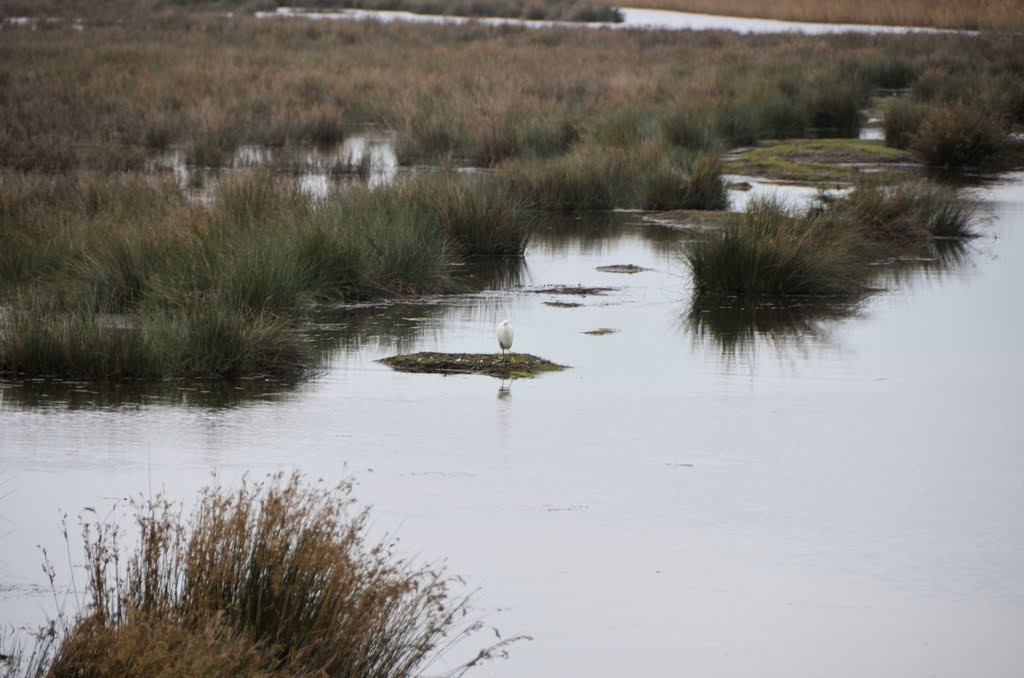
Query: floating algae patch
[
  {"x": 601, "y": 331},
  {"x": 507, "y": 366}
]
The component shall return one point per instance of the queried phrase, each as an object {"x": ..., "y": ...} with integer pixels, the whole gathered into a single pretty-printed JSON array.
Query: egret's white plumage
[{"x": 505, "y": 335}]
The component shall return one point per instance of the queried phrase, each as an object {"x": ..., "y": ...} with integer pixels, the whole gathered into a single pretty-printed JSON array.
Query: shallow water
[
  {"x": 366, "y": 157},
  {"x": 828, "y": 491},
  {"x": 632, "y": 18}
]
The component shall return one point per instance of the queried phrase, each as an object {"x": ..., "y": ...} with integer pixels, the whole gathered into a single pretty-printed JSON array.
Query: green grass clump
[
  {"x": 41, "y": 342},
  {"x": 906, "y": 211},
  {"x": 834, "y": 107},
  {"x": 624, "y": 127},
  {"x": 216, "y": 340},
  {"x": 480, "y": 214},
  {"x": 770, "y": 250},
  {"x": 957, "y": 136},
  {"x": 692, "y": 130},
  {"x": 271, "y": 579},
  {"x": 652, "y": 176},
  {"x": 901, "y": 120},
  {"x": 215, "y": 291},
  {"x": 209, "y": 339}
]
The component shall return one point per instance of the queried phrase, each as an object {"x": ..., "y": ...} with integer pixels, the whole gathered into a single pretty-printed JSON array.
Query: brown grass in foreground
[
  {"x": 999, "y": 15},
  {"x": 273, "y": 579}
]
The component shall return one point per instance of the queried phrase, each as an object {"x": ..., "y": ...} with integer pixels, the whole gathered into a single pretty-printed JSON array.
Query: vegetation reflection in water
[{"x": 739, "y": 331}]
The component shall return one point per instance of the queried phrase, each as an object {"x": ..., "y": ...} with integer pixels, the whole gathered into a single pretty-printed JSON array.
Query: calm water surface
[
  {"x": 632, "y": 18},
  {"x": 831, "y": 492}
]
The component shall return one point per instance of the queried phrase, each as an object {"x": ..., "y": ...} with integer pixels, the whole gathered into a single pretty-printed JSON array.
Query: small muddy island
[{"x": 507, "y": 366}]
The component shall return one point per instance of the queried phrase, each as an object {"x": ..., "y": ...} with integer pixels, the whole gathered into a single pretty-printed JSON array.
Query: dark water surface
[{"x": 781, "y": 492}]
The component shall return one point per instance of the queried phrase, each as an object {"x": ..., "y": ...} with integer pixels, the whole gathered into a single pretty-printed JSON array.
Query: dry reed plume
[{"x": 273, "y": 579}]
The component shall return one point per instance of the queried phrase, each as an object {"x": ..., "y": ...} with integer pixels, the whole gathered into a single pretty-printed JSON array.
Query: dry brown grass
[
  {"x": 999, "y": 15},
  {"x": 105, "y": 97},
  {"x": 273, "y": 579}
]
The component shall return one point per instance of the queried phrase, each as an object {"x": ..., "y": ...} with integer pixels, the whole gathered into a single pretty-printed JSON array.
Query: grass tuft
[
  {"x": 902, "y": 118},
  {"x": 481, "y": 215},
  {"x": 956, "y": 136},
  {"x": 770, "y": 250},
  {"x": 273, "y": 579}
]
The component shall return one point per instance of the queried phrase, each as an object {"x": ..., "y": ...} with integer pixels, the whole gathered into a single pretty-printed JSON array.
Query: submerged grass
[{"x": 272, "y": 579}]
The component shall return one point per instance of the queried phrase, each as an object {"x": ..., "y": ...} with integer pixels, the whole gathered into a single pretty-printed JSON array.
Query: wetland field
[{"x": 759, "y": 416}]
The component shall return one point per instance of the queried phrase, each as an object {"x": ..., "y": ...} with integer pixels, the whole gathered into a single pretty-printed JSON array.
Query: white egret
[{"x": 505, "y": 335}]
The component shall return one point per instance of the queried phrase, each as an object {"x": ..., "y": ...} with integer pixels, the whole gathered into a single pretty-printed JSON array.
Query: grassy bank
[
  {"x": 274, "y": 579},
  {"x": 773, "y": 251},
  {"x": 122, "y": 278}
]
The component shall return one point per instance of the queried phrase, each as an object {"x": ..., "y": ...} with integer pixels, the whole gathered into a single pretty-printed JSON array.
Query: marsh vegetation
[
  {"x": 775, "y": 250},
  {"x": 111, "y": 270},
  {"x": 272, "y": 579},
  {"x": 121, "y": 278},
  {"x": 108, "y": 96}
]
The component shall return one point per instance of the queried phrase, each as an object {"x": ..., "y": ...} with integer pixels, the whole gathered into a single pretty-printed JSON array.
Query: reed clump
[
  {"x": 772, "y": 250},
  {"x": 114, "y": 278},
  {"x": 901, "y": 120},
  {"x": 481, "y": 214},
  {"x": 126, "y": 282},
  {"x": 957, "y": 135},
  {"x": 904, "y": 212},
  {"x": 271, "y": 579}
]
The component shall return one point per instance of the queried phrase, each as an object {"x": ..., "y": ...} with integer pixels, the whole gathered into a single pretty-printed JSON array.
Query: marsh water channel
[{"x": 780, "y": 492}]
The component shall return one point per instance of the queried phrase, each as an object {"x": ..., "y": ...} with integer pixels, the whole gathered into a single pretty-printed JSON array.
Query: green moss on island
[
  {"x": 507, "y": 366},
  {"x": 822, "y": 161}
]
